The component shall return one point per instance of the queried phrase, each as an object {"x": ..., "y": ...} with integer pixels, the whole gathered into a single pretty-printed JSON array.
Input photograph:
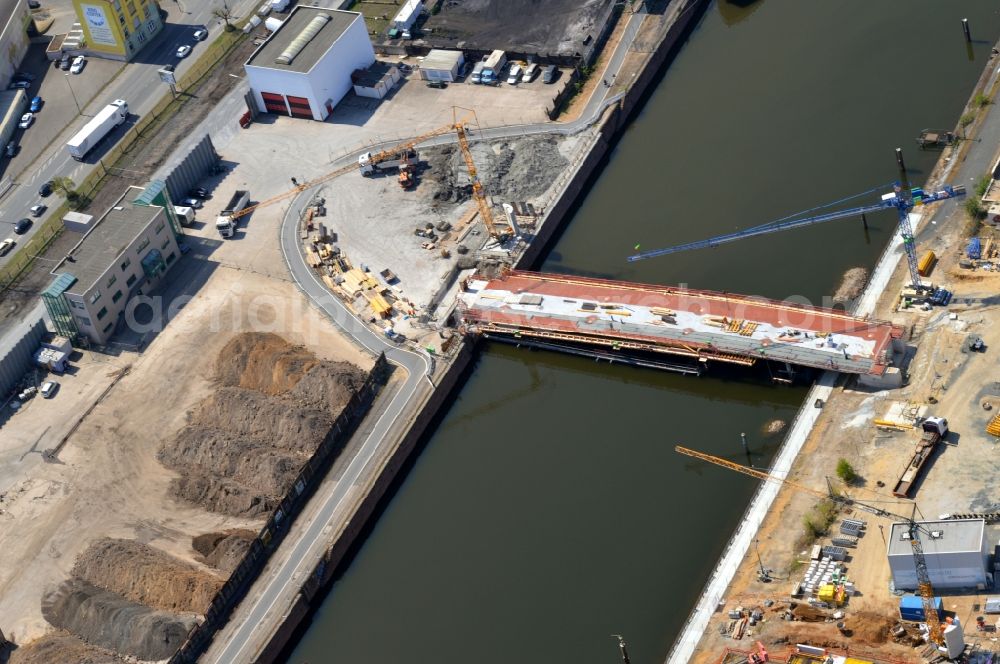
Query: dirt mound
[
  {"x": 245, "y": 444},
  {"x": 518, "y": 170},
  {"x": 224, "y": 550},
  {"x": 143, "y": 574},
  {"x": 851, "y": 285},
  {"x": 263, "y": 362},
  {"x": 62, "y": 647},
  {"x": 110, "y": 621},
  {"x": 872, "y": 628}
]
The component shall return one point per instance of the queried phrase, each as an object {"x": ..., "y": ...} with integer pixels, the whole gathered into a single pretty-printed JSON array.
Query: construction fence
[
  {"x": 135, "y": 137},
  {"x": 278, "y": 524}
]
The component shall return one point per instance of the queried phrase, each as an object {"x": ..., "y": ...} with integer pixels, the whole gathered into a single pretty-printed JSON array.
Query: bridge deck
[{"x": 704, "y": 324}]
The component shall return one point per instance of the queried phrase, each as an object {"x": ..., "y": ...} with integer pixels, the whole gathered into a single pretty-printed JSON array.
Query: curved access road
[{"x": 256, "y": 618}]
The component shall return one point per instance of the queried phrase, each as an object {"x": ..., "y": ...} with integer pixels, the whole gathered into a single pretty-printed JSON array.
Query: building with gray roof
[{"x": 304, "y": 68}]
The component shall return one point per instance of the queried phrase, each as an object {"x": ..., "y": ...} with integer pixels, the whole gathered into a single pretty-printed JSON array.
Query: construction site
[{"x": 171, "y": 458}]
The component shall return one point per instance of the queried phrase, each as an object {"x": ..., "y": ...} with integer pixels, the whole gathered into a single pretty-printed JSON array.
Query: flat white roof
[{"x": 953, "y": 536}]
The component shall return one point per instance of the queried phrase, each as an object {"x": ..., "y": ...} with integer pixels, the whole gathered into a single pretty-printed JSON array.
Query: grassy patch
[
  {"x": 378, "y": 14},
  {"x": 817, "y": 523}
]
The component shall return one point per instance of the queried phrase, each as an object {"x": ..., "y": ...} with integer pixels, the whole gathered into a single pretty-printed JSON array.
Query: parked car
[
  {"x": 48, "y": 389},
  {"x": 36, "y": 104},
  {"x": 26, "y": 120},
  {"x": 19, "y": 85},
  {"x": 64, "y": 62},
  {"x": 549, "y": 74},
  {"x": 514, "y": 75},
  {"x": 22, "y": 226},
  {"x": 38, "y": 210},
  {"x": 183, "y": 51},
  {"x": 23, "y": 76},
  {"x": 77, "y": 66},
  {"x": 45, "y": 189},
  {"x": 200, "y": 35},
  {"x": 192, "y": 203},
  {"x": 198, "y": 192},
  {"x": 440, "y": 85},
  {"x": 11, "y": 149},
  {"x": 6, "y": 246},
  {"x": 529, "y": 73},
  {"x": 34, "y": 4}
]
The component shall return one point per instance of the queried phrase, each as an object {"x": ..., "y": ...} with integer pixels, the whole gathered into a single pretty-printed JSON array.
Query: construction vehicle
[
  {"x": 369, "y": 164},
  {"x": 499, "y": 231},
  {"x": 407, "y": 178},
  {"x": 926, "y": 591},
  {"x": 97, "y": 128},
  {"x": 227, "y": 221},
  {"x": 900, "y": 198},
  {"x": 934, "y": 431}
]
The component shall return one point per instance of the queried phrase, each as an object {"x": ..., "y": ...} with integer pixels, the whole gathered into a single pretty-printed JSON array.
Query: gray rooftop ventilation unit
[{"x": 300, "y": 41}]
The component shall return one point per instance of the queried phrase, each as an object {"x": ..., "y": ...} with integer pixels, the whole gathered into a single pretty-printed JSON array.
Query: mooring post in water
[
  {"x": 864, "y": 220},
  {"x": 965, "y": 29},
  {"x": 899, "y": 159},
  {"x": 622, "y": 647},
  {"x": 746, "y": 448}
]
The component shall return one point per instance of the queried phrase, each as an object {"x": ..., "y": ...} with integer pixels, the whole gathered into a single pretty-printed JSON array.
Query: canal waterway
[{"x": 549, "y": 510}]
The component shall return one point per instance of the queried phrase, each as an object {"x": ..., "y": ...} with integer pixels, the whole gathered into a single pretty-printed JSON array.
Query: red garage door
[
  {"x": 300, "y": 107},
  {"x": 274, "y": 103}
]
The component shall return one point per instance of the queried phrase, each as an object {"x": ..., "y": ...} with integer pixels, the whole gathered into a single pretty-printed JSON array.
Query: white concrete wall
[
  {"x": 329, "y": 79},
  {"x": 950, "y": 570}
]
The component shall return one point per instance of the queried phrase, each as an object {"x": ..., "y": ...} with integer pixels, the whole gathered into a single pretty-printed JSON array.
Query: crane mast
[{"x": 924, "y": 586}]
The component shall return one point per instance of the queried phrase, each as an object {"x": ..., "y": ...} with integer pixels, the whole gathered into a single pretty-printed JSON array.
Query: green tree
[
  {"x": 965, "y": 121},
  {"x": 63, "y": 185},
  {"x": 845, "y": 471}
]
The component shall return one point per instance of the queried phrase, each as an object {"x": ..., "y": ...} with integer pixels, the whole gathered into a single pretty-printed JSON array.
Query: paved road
[
  {"x": 236, "y": 643},
  {"x": 139, "y": 84}
]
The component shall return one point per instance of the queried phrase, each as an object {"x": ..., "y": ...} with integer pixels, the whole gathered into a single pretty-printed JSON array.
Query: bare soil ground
[
  {"x": 108, "y": 482},
  {"x": 224, "y": 550},
  {"x": 145, "y": 575},
  {"x": 517, "y": 170},
  {"x": 65, "y": 647},
  {"x": 544, "y": 27},
  {"x": 245, "y": 443}
]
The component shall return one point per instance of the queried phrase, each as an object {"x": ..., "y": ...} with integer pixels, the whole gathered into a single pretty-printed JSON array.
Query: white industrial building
[
  {"x": 956, "y": 551},
  {"x": 304, "y": 68},
  {"x": 441, "y": 65},
  {"x": 376, "y": 81}
]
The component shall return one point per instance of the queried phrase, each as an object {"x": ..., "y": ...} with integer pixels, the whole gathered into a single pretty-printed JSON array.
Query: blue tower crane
[{"x": 903, "y": 201}]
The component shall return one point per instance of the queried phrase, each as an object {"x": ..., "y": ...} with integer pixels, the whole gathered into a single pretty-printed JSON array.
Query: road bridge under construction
[{"x": 694, "y": 327}]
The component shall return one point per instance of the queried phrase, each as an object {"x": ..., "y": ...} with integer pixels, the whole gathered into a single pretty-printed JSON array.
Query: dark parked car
[
  {"x": 198, "y": 192},
  {"x": 440, "y": 85},
  {"x": 22, "y": 226},
  {"x": 45, "y": 189}
]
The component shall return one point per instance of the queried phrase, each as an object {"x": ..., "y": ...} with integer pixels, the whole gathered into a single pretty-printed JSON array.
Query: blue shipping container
[{"x": 911, "y": 607}]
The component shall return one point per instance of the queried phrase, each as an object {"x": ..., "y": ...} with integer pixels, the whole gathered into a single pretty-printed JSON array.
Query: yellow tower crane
[
  {"x": 498, "y": 231},
  {"x": 919, "y": 560}
]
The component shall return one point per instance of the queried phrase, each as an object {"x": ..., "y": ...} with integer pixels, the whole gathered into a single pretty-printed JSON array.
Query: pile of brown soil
[
  {"x": 61, "y": 646},
  {"x": 224, "y": 550},
  {"x": 145, "y": 575},
  {"x": 245, "y": 444},
  {"x": 108, "y": 620},
  {"x": 869, "y": 627}
]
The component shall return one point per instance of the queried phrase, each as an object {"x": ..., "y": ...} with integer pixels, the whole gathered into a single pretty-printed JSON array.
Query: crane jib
[{"x": 903, "y": 203}]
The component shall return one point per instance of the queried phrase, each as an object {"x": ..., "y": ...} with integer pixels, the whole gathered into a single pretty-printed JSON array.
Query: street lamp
[{"x": 70, "y": 86}]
